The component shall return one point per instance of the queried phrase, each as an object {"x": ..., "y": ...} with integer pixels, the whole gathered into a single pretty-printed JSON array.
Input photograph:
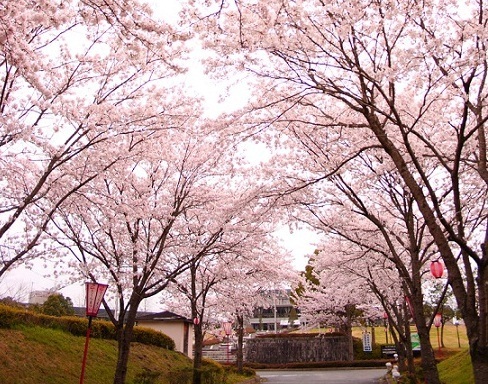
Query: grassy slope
[
  {"x": 457, "y": 369},
  {"x": 41, "y": 355}
]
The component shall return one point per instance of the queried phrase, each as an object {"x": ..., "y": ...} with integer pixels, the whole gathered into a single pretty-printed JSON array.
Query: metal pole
[
  {"x": 457, "y": 331},
  {"x": 438, "y": 339},
  {"x": 82, "y": 376}
]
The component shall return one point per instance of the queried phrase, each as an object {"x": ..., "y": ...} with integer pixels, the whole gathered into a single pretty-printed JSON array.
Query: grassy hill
[
  {"x": 38, "y": 355},
  {"x": 457, "y": 369},
  {"x": 35, "y": 355}
]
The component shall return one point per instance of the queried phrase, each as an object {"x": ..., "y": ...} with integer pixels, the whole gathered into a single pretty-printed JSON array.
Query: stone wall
[{"x": 275, "y": 350}]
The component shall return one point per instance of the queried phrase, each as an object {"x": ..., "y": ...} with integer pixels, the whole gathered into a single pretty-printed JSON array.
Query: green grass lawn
[
  {"x": 449, "y": 337},
  {"x": 455, "y": 367},
  {"x": 35, "y": 355}
]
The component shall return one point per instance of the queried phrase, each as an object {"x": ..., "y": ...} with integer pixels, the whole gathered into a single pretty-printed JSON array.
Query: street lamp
[
  {"x": 456, "y": 323},
  {"x": 437, "y": 270},
  {"x": 385, "y": 321},
  {"x": 227, "y": 325},
  {"x": 437, "y": 323},
  {"x": 94, "y": 297}
]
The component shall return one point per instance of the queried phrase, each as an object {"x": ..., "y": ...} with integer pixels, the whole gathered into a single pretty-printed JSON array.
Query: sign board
[
  {"x": 388, "y": 350},
  {"x": 414, "y": 337},
  {"x": 367, "y": 346}
]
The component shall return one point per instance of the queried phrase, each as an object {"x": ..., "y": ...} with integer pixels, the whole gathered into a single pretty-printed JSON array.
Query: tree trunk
[
  {"x": 198, "y": 354},
  {"x": 477, "y": 330},
  {"x": 428, "y": 362},
  {"x": 408, "y": 343},
  {"x": 479, "y": 358},
  {"x": 240, "y": 343},
  {"x": 475, "y": 317},
  {"x": 373, "y": 335},
  {"x": 124, "y": 338}
]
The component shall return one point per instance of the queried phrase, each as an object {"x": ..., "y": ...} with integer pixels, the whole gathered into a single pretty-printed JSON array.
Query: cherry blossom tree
[
  {"x": 332, "y": 296},
  {"x": 134, "y": 225},
  {"x": 387, "y": 227},
  {"x": 251, "y": 286},
  {"x": 234, "y": 251},
  {"x": 407, "y": 79},
  {"x": 75, "y": 76}
]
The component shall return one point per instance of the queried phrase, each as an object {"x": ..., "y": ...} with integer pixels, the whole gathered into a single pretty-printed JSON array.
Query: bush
[
  {"x": 212, "y": 372},
  {"x": 246, "y": 371},
  {"x": 13, "y": 317},
  {"x": 147, "y": 377},
  {"x": 298, "y": 335},
  {"x": 152, "y": 337},
  {"x": 181, "y": 376},
  {"x": 359, "y": 354}
]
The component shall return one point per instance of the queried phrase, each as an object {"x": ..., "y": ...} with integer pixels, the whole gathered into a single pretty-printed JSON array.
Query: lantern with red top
[
  {"x": 437, "y": 324},
  {"x": 94, "y": 297},
  {"x": 437, "y": 268},
  {"x": 227, "y": 325}
]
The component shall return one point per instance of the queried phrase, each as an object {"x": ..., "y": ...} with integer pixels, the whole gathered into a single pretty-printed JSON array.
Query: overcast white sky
[
  {"x": 300, "y": 243},
  {"x": 22, "y": 281}
]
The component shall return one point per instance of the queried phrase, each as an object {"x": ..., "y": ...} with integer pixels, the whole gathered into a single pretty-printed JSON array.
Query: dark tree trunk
[
  {"x": 124, "y": 338},
  {"x": 198, "y": 355},
  {"x": 240, "y": 343},
  {"x": 463, "y": 287},
  {"x": 477, "y": 330},
  {"x": 373, "y": 335},
  {"x": 428, "y": 362}
]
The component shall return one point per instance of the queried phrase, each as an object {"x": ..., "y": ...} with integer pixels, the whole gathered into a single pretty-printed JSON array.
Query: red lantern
[
  {"x": 196, "y": 321},
  {"x": 437, "y": 269},
  {"x": 227, "y": 325},
  {"x": 94, "y": 297},
  {"x": 438, "y": 320}
]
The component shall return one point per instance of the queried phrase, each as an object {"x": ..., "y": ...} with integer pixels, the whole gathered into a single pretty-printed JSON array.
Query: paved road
[{"x": 326, "y": 376}]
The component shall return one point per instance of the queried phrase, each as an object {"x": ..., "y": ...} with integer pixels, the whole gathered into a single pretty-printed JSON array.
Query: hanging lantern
[
  {"x": 438, "y": 320},
  {"x": 437, "y": 269},
  {"x": 196, "y": 321},
  {"x": 227, "y": 325}
]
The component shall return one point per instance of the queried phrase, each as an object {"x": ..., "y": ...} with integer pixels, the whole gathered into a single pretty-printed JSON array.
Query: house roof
[{"x": 163, "y": 316}]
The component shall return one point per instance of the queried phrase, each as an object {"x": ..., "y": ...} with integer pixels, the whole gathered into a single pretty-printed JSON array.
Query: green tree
[{"x": 58, "y": 305}]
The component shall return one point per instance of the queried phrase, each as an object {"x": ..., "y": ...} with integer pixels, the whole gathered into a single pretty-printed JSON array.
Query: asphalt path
[{"x": 325, "y": 376}]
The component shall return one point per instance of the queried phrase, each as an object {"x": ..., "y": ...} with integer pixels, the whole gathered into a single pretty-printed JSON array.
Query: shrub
[
  {"x": 212, "y": 372},
  {"x": 147, "y": 377},
  {"x": 181, "y": 376},
  {"x": 152, "y": 337},
  {"x": 298, "y": 335},
  {"x": 246, "y": 371},
  {"x": 13, "y": 317},
  {"x": 359, "y": 354}
]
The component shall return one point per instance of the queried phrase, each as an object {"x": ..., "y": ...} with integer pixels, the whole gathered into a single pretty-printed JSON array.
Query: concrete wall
[
  {"x": 176, "y": 330},
  {"x": 296, "y": 350}
]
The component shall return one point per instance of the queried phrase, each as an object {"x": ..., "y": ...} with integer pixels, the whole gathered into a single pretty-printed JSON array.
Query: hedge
[{"x": 13, "y": 317}]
